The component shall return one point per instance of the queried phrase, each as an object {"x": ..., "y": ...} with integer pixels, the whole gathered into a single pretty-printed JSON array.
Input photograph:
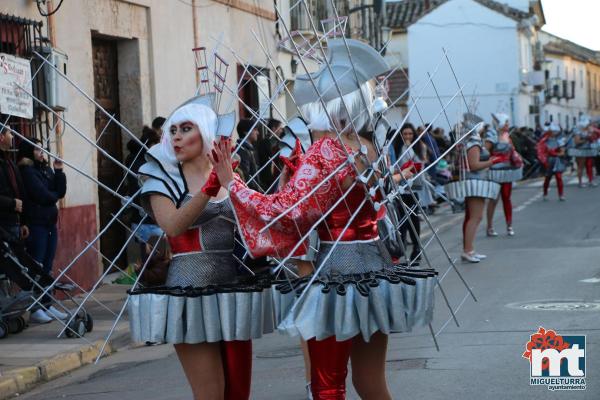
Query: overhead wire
[{"x": 47, "y": 14}]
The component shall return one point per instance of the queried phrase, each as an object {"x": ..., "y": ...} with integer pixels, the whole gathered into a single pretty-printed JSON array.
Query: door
[
  {"x": 254, "y": 91},
  {"x": 108, "y": 136}
]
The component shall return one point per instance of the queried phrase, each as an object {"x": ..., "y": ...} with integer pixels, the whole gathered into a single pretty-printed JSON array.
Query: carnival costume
[
  {"x": 507, "y": 172},
  {"x": 467, "y": 183},
  {"x": 548, "y": 152},
  {"x": 205, "y": 298},
  {"x": 357, "y": 289},
  {"x": 588, "y": 148}
]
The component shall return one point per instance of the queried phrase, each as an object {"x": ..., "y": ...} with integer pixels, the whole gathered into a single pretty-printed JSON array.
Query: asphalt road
[{"x": 554, "y": 257}]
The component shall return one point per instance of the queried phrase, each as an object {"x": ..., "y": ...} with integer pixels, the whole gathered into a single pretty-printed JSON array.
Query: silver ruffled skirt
[
  {"x": 506, "y": 175},
  {"x": 358, "y": 292},
  {"x": 555, "y": 164},
  {"x": 203, "y": 301},
  {"x": 583, "y": 152},
  {"x": 458, "y": 190}
]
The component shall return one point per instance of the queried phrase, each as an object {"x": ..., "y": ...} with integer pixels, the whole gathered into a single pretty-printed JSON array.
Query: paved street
[{"x": 556, "y": 249}]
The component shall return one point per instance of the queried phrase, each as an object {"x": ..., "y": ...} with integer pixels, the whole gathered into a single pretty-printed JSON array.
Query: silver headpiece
[
  {"x": 295, "y": 129},
  {"x": 350, "y": 70},
  {"x": 225, "y": 122},
  {"x": 472, "y": 122},
  {"x": 554, "y": 127},
  {"x": 584, "y": 121},
  {"x": 202, "y": 109},
  {"x": 500, "y": 119}
]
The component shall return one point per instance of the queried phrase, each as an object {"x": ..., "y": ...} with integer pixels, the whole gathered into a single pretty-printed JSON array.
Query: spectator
[
  {"x": 275, "y": 126},
  {"x": 135, "y": 159},
  {"x": 248, "y": 155},
  {"x": 538, "y": 132},
  {"x": 419, "y": 130},
  {"x": 12, "y": 191},
  {"x": 42, "y": 188},
  {"x": 157, "y": 124},
  {"x": 267, "y": 146},
  {"x": 12, "y": 196},
  {"x": 410, "y": 158},
  {"x": 440, "y": 139}
]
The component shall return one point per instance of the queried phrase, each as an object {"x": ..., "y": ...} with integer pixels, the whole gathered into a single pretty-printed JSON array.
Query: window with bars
[
  {"x": 319, "y": 10},
  {"x": 20, "y": 37},
  {"x": 365, "y": 18}
]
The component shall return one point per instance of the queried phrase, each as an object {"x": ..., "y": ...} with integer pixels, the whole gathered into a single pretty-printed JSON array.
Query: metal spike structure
[
  {"x": 299, "y": 53},
  {"x": 212, "y": 71}
]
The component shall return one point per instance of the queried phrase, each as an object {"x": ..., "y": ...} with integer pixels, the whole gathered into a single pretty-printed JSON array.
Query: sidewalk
[{"x": 36, "y": 355}]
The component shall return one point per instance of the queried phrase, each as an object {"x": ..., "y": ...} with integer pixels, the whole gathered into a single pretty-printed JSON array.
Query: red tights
[
  {"x": 329, "y": 368},
  {"x": 589, "y": 168},
  {"x": 237, "y": 368},
  {"x": 505, "y": 192},
  {"x": 559, "y": 183},
  {"x": 588, "y": 164}
]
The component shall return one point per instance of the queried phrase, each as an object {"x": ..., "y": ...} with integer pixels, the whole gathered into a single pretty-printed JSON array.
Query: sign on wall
[{"x": 15, "y": 72}]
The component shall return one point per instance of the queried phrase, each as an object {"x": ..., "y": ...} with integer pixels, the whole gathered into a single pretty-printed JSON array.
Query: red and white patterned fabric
[{"x": 255, "y": 210}]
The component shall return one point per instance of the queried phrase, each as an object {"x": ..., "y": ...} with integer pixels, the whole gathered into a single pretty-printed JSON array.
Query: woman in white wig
[
  {"x": 587, "y": 146},
  {"x": 498, "y": 142},
  {"x": 357, "y": 296},
  {"x": 205, "y": 308}
]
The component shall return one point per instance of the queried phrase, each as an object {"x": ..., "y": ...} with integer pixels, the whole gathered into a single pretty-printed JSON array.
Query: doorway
[
  {"x": 255, "y": 92},
  {"x": 108, "y": 137}
]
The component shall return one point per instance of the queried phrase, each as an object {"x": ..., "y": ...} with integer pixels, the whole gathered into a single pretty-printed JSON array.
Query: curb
[{"x": 17, "y": 381}]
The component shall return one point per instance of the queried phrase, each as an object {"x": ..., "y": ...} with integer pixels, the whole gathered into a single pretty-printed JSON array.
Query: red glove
[
  {"x": 499, "y": 158},
  {"x": 293, "y": 162},
  {"x": 212, "y": 186},
  {"x": 408, "y": 164}
]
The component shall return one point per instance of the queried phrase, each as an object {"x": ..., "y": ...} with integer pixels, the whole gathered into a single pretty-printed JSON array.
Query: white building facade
[
  {"x": 568, "y": 92},
  {"x": 135, "y": 58},
  {"x": 490, "y": 47}
]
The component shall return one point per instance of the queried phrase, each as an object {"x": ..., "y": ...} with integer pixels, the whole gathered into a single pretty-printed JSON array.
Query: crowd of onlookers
[
  {"x": 30, "y": 189},
  {"x": 258, "y": 148}
]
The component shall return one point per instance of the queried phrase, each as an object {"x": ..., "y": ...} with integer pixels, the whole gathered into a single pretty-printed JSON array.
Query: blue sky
[{"x": 575, "y": 20}]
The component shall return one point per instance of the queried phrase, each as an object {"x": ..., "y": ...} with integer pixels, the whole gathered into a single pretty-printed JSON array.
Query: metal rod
[
  {"x": 81, "y": 253},
  {"x": 83, "y": 136},
  {"x": 137, "y": 279},
  {"x": 105, "y": 273},
  {"x": 89, "y": 98},
  {"x": 41, "y": 148}
]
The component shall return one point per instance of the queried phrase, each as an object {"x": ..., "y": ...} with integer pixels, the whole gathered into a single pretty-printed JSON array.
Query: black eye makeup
[{"x": 186, "y": 127}]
